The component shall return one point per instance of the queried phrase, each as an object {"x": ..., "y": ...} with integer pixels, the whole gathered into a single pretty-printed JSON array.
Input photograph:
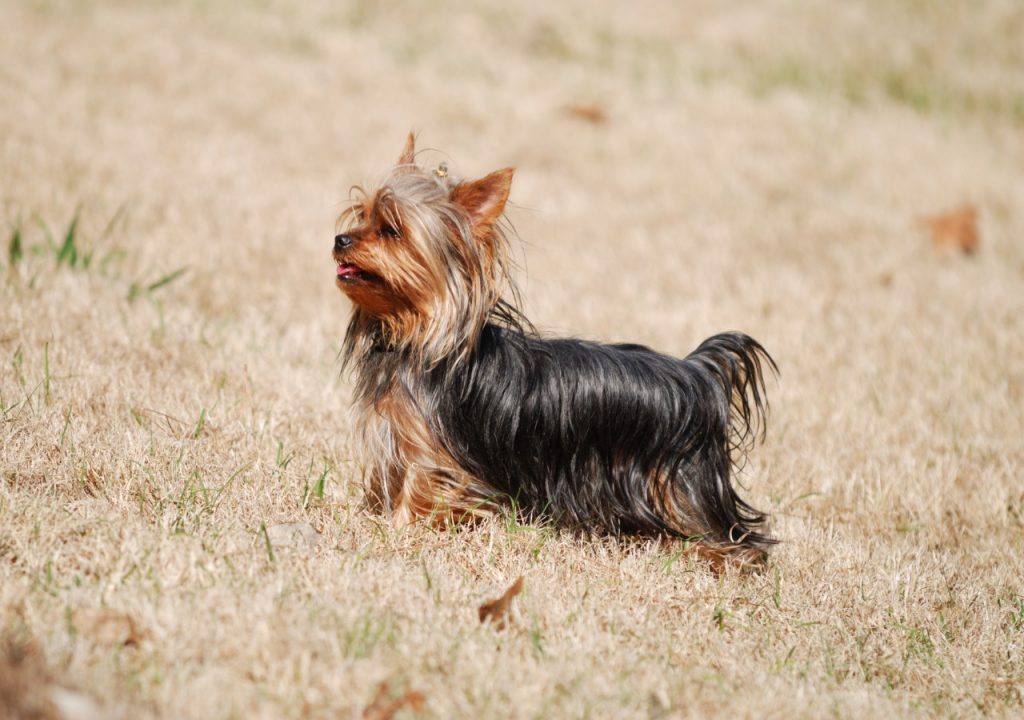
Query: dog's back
[{"x": 616, "y": 438}]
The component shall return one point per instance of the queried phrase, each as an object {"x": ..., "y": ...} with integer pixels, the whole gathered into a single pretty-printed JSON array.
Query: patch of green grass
[
  {"x": 266, "y": 541},
  {"x": 192, "y": 500},
  {"x": 537, "y": 641},
  {"x": 512, "y": 517},
  {"x": 427, "y": 577},
  {"x": 549, "y": 41},
  {"x": 718, "y": 616},
  {"x": 139, "y": 289},
  {"x": 788, "y": 73},
  {"x": 282, "y": 459},
  {"x": 366, "y": 633},
  {"x": 166, "y": 279},
  {"x": 667, "y": 563},
  {"x": 70, "y": 251},
  {"x": 319, "y": 485},
  {"x": 780, "y": 665},
  {"x": 17, "y": 363},
  {"x": 195, "y": 504},
  {"x": 15, "y": 251},
  {"x": 1015, "y": 612},
  {"x": 197, "y": 431},
  {"x": 361, "y": 14},
  {"x": 46, "y": 373},
  {"x": 73, "y": 253},
  {"x": 919, "y": 646},
  {"x": 921, "y": 85},
  {"x": 910, "y": 89},
  {"x": 48, "y": 582},
  {"x": 64, "y": 430}
]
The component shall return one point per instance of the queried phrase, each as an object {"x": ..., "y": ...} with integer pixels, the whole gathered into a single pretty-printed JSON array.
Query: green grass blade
[
  {"x": 47, "y": 233},
  {"x": 166, "y": 279},
  {"x": 15, "y": 251},
  {"x": 266, "y": 539},
  {"x": 69, "y": 251},
  {"x": 46, "y": 373},
  {"x": 318, "y": 488},
  {"x": 118, "y": 216}
]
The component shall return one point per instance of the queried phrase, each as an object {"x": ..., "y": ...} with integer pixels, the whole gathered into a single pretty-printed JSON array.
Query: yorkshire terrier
[{"x": 464, "y": 409}]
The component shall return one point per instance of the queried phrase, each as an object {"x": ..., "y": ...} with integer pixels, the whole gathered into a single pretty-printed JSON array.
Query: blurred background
[{"x": 692, "y": 142}]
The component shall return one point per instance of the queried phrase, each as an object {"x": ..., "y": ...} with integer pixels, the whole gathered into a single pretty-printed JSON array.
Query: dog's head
[{"x": 423, "y": 255}]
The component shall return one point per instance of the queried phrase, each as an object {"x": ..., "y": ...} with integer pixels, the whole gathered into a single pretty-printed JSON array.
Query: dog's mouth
[
  {"x": 352, "y": 273},
  {"x": 348, "y": 271}
]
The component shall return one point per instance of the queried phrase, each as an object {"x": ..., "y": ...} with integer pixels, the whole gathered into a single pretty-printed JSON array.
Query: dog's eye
[{"x": 388, "y": 231}]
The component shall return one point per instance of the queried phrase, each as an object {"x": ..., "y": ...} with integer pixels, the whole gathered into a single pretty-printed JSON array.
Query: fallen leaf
[
  {"x": 24, "y": 681},
  {"x": 954, "y": 230},
  {"x": 293, "y": 535},
  {"x": 591, "y": 113},
  {"x": 28, "y": 690},
  {"x": 107, "y": 627},
  {"x": 383, "y": 708},
  {"x": 92, "y": 483},
  {"x": 497, "y": 611}
]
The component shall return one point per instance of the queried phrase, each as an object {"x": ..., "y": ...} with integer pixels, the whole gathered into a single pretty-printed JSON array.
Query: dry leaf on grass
[
  {"x": 92, "y": 483},
  {"x": 954, "y": 230},
  {"x": 24, "y": 680},
  {"x": 497, "y": 611},
  {"x": 107, "y": 627},
  {"x": 591, "y": 113},
  {"x": 27, "y": 688},
  {"x": 382, "y": 708}
]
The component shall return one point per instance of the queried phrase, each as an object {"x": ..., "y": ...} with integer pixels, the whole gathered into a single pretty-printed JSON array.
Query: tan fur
[
  {"x": 426, "y": 297},
  {"x": 437, "y": 320},
  {"x": 408, "y": 474}
]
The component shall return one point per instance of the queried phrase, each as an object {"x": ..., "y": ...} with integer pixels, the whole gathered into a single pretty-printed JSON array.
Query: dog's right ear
[
  {"x": 484, "y": 200},
  {"x": 409, "y": 152}
]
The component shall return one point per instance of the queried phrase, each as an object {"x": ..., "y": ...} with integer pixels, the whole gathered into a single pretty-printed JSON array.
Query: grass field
[{"x": 169, "y": 329}]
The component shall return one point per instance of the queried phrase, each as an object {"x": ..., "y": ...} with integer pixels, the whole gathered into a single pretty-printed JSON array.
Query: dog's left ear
[
  {"x": 484, "y": 199},
  {"x": 408, "y": 156}
]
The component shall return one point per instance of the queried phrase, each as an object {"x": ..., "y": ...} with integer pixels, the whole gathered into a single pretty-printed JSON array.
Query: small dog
[{"x": 465, "y": 409}]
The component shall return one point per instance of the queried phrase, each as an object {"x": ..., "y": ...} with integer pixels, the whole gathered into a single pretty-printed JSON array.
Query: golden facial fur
[{"x": 424, "y": 294}]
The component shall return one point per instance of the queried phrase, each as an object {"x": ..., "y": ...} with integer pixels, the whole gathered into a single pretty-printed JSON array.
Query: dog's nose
[{"x": 342, "y": 242}]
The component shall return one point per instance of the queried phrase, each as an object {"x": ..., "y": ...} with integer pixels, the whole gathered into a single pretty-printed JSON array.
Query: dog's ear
[
  {"x": 409, "y": 151},
  {"x": 484, "y": 199}
]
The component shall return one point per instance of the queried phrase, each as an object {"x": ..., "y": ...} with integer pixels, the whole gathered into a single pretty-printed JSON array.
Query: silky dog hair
[{"x": 465, "y": 410}]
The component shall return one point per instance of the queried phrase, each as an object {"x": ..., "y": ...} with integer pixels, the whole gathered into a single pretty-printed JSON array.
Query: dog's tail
[{"x": 727, "y": 380}]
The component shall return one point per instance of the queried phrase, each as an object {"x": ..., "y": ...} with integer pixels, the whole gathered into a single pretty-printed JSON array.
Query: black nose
[{"x": 342, "y": 242}]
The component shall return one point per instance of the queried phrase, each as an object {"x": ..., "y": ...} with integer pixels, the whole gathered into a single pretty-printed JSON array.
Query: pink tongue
[{"x": 346, "y": 270}]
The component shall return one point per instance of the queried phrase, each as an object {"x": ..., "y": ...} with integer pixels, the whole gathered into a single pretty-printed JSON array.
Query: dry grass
[{"x": 757, "y": 166}]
